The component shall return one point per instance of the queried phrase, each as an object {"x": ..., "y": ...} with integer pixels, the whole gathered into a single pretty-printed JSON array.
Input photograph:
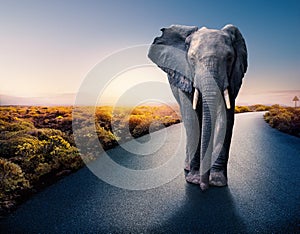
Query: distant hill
[
  {"x": 60, "y": 100},
  {"x": 67, "y": 99},
  {"x": 268, "y": 98}
]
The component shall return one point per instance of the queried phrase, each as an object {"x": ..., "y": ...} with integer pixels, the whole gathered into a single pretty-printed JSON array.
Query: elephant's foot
[
  {"x": 217, "y": 179},
  {"x": 204, "y": 181},
  {"x": 193, "y": 177}
]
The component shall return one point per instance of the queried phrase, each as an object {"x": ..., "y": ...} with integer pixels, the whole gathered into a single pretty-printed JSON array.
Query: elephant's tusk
[
  {"x": 227, "y": 100},
  {"x": 195, "y": 99}
]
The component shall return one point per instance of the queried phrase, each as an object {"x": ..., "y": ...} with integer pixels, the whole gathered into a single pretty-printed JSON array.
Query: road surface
[{"x": 262, "y": 196}]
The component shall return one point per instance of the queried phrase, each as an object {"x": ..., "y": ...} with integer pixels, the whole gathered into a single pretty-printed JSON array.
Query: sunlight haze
[{"x": 48, "y": 47}]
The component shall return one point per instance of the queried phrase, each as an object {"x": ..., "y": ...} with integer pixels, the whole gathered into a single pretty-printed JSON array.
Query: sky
[{"x": 48, "y": 47}]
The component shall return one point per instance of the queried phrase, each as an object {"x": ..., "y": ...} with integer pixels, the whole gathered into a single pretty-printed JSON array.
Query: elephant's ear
[
  {"x": 240, "y": 63},
  {"x": 169, "y": 52}
]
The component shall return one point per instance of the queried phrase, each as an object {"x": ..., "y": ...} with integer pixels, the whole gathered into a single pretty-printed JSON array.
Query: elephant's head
[
  {"x": 192, "y": 57},
  {"x": 208, "y": 62}
]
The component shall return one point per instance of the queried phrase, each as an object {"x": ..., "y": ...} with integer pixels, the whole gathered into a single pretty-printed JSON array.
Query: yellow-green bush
[
  {"x": 11, "y": 144},
  {"x": 242, "y": 109},
  {"x": 259, "y": 107},
  {"x": 12, "y": 178},
  {"x": 251, "y": 108},
  {"x": 285, "y": 119}
]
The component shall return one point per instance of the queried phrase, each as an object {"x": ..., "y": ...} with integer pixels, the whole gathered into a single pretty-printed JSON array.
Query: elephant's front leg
[
  {"x": 192, "y": 123},
  {"x": 218, "y": 175},
  {"x": 192, "y": 126}
]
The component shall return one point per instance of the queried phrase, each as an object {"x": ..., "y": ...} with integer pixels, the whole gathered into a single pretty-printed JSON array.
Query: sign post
[{"x": 296, "y": 99}]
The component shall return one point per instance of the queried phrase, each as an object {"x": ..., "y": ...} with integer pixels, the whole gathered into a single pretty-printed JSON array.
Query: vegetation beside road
[
  {"x": 37, "y": 144},
  {"x": 252, "y": 108},
  {"x": 285, "y": 119}
]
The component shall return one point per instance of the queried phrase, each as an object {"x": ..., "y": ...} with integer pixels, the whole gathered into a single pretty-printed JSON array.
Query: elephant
[{"x": 205, "y": 68}]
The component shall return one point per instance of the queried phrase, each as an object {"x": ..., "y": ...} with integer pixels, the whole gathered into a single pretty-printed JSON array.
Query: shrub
[
  {"x": 11, "y": 146},
  {"x": 285, "y": 119},
  {"x": 68, "y": 158},
  {"x": 259, "y": 107},
  {"x": 12, "y": 178},
  {"x": 242, "y": 109}
]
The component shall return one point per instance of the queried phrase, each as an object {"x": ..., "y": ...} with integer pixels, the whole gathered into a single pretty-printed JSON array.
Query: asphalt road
[{"x": 263, "y": 193}]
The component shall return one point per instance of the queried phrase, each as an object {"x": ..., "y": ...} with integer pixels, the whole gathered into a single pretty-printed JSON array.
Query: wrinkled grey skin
[{"x": 209, "y": 61}]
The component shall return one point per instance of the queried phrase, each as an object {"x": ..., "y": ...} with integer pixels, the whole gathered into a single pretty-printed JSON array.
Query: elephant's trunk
[
  {"x": 210, "y": 98},
  {"x": 207, "y": 136}
]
